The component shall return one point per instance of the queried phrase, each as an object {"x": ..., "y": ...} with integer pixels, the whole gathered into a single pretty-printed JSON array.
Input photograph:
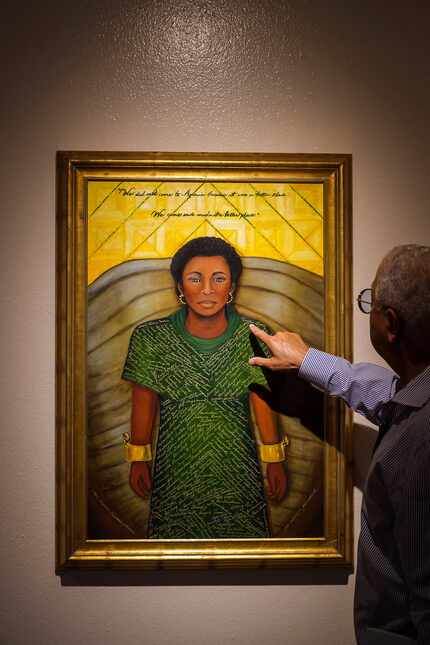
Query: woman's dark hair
[{"x": 206, "y": 246}]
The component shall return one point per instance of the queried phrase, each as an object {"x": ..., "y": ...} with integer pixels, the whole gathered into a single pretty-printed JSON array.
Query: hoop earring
[
  {"x": 181, "y": 299},
  {"x": 230, "y": 298}
]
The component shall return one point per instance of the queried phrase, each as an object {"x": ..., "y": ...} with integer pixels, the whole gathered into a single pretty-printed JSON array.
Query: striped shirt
[{"x": 393, "y": 563}]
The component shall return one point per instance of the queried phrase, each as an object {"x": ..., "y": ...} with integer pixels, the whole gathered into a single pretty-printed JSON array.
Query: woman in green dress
[{"x": 192, "y": 370}]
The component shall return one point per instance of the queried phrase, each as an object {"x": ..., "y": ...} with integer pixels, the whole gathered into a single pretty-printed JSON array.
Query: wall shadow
[{"x": 206, "y": 577}]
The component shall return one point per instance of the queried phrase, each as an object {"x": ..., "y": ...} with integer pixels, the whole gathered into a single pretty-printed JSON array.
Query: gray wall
[{"x": 187, "y": 75}]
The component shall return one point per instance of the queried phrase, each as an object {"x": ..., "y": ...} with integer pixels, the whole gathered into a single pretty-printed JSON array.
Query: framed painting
[{"x": 171, "y": 448}]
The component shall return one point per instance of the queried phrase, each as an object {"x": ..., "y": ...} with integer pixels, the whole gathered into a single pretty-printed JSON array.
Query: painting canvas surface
[{"x": 134, "y": 228}]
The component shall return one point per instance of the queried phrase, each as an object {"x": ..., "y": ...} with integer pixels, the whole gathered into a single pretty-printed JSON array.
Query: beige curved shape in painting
[{"x": 278, "y": 294}]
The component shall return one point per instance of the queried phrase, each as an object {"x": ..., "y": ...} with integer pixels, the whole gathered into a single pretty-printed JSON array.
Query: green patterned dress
[{"x": 207, "y": 480}]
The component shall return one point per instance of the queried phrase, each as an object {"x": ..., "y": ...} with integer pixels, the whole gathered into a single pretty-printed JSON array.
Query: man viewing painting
[{"x": 392, "y": 597}]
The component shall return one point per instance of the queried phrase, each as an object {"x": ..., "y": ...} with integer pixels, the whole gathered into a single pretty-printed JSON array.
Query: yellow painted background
[{"x": 287, "y": 224}]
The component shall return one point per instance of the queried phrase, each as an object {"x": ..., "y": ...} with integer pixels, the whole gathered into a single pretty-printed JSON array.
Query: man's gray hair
[{"x": 403, "y": 283}]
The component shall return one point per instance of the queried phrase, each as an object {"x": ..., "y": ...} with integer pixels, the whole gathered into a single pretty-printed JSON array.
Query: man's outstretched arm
[{"x": 363, "y": 386}]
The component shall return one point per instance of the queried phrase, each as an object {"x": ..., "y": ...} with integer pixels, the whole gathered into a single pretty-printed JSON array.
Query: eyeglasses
[{"x": 364, "y": 301}]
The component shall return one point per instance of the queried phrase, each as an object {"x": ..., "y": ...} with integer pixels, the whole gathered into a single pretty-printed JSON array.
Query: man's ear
[{"x": 394, "y": 325}]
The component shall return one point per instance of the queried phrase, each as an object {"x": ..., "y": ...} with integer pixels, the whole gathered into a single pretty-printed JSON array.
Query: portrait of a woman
[{"x": 191, "y": 379}]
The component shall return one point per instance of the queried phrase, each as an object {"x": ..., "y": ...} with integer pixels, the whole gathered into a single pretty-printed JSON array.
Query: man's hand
[
  {"x": 140, "y": 478},
  {"x": 288, "y": 350}
]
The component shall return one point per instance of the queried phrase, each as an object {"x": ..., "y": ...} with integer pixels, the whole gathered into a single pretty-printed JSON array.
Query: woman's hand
[
  {"x": 288, "y": 350},
  {"x": 140, "y": 478},
  {"x": 277, "y": 480}
]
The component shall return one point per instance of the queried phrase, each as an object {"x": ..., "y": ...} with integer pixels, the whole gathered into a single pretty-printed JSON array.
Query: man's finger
[
  {"x": 261, "y": 362},
  {"x": 260, "y": 333}
]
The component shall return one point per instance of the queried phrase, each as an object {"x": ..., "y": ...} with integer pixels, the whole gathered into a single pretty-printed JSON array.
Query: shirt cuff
[{"x": 317, "y": 367}]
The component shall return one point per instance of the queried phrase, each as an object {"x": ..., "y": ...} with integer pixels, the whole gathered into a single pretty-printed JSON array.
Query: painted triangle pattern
[{"x": 150, "y": 219}]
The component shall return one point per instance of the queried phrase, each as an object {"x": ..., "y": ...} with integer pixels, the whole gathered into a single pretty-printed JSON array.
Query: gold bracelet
[
  {"x": 134, "y": 452},
  {"x": 273, "y": 453}
]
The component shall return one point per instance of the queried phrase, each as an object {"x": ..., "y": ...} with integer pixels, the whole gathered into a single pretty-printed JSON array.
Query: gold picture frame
[{"x": 101, "y": 223}]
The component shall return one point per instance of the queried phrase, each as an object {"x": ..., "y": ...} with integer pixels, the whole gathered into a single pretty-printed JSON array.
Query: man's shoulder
[
  {"x": 419, "y": 425},
  {"x": 406, "y": 446}
]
